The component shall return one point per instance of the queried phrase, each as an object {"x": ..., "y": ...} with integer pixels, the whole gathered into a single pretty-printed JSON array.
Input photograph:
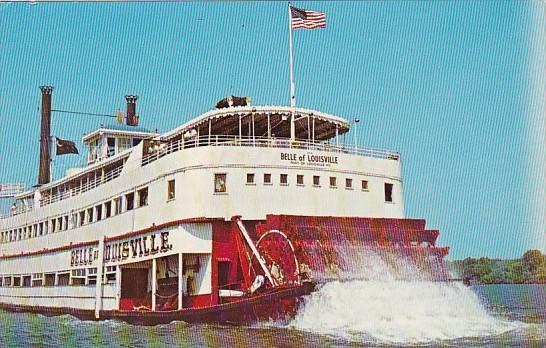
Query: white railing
[
  {"x": 84, "y": 187},
  {"x": 171, "y": 147}
]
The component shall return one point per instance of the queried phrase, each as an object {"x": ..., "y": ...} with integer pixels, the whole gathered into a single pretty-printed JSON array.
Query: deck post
[
  {"x": 240, "y": 128},
  {"x": 154, "y": 283},
  {"x": 253, "y": 131},
  {"x": 98, "y": 286},
  {"x": 268, "y": 126},
  {"x": 180, "y": 279},
  {"x": 118, "y": 286},
  {"x": 209, "y": 130},
  {"x": 313, "y": 129}
]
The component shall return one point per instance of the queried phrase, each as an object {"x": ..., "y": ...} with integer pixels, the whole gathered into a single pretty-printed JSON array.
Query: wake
[{"x": 389, "y": 310}]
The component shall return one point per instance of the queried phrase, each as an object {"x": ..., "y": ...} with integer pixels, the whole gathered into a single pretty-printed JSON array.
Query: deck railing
[
  {"x": 84, "y": 187},
  {"x": 73, "y": 191},
  {"x": 165, "y": 149}
]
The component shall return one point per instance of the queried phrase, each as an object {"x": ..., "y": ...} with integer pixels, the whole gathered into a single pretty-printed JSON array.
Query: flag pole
[
  {"x": 292, "y": 84},
  {"x": 51, "y": 139}
]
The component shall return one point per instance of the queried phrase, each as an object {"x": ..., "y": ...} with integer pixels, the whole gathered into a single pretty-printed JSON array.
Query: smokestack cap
[
  {"x": 131, "y": 98},
  {"x": 46, "y": 89}
]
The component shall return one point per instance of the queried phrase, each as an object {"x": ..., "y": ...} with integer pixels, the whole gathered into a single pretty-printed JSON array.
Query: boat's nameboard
[
  {"x": 136, "y": 248},
  {"x": 309, "y": 159},
  {"x": 192, "y": 238}
]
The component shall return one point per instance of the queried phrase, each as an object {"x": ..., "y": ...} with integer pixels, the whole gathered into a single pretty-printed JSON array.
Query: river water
[{"x": 356, "y": 313}]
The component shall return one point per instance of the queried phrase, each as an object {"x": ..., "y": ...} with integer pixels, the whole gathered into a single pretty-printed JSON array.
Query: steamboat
[{"x": 231, "y": 217}]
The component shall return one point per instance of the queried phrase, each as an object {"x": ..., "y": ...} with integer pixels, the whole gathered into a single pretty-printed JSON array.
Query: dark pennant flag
[
  {"x": 305, "y": 19},
  {"x": 65, "y": 147}
]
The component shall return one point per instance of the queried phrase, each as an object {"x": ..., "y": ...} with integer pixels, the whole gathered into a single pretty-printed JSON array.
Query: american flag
[{"x": 305, "y": 19}]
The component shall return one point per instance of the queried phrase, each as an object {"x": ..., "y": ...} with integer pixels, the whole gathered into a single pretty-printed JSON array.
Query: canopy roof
[{"x": 276, "y": 119}]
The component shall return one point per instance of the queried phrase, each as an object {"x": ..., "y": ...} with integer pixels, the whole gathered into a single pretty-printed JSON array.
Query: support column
[
  {"x": 308, "y": 129},
  {"x": 337, "y": 137},
  {"x": 180, "y": 279},
  {"x": 240, "y": 128},
  {"x": 268, "y": 126},
  {"x": 253, "y": 131},
  {"x": 118, "y": 286},
  {"x": 313, "y": 130},
  {"x": 154, "y": 283},
  {"x": 209, "y": 130},
  {"x": 98, "y": 286}
]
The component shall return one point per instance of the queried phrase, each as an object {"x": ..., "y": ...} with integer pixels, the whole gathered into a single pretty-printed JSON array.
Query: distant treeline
[{"x": 530, "y": 268}]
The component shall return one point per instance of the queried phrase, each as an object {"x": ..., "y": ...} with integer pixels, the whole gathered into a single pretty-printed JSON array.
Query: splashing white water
[
  {"x": 387, "y": 309},
  {"x": 397, "y": 311}
]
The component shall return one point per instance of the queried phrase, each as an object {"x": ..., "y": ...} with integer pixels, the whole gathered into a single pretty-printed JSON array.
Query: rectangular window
[
  {"x": 388, "y": 192},
  {"x": 26, "y": 280},
  {"x": 98, "y": 211},
  {"x": 171, "y": 193},
  {"x": 16, "y": 281},
  {"x": 365, "y": 185},
  {"x": 110, "y": 273},
  {"x": 92, "y": 276},
  {"x": 63, "y": 279},
  {"x": 348, "y": 183},
  {"x": 117, "y": 202},
  {"x": 333, "y": 181},
  {"x": 284, "y": 179},
  {"x": 250, "y": 178},
  {"x": 123, "y": 144},
  {"x": 316, "y": 180},
  {"x": 82, "y": 218},
  {"x": 299, "y": 179},
  {"x": 111, "y": 146},
  {"x": 7, "y": 281},
  {"x": 220, "y": 183},
  {"x": 90, "y": 215},
  {"x": 60, "y": 223},
  {"x": 130, "y": 201},
  {"x": 143, "y": 197},
  {"x": 108, "y": 209},
  {"x": 78, "y": 281},
  {"x": 37, "y": 279},
  {"x": 50, "y": 279},
  {"x": 267, "y": 179}
]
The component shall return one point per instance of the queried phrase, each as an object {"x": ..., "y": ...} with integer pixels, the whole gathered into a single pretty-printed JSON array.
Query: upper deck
[{"x": 246, "y": 126}]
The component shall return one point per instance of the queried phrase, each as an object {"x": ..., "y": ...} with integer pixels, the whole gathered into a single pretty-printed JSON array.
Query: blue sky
[{"x": 454, "y": 86}]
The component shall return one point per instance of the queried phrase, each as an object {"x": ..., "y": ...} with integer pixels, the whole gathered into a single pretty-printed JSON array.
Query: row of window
[
  {"x": 86, "y": 216},
  {"x": 63, "y": 278},
  {"x": 283, "y": 179},
  {"x": 220, "y": 182}
]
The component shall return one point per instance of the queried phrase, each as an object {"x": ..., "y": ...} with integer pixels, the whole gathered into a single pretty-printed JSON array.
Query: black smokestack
[
  {"x": 132, "y": 118},
  {"x": 44, "y": 175}
]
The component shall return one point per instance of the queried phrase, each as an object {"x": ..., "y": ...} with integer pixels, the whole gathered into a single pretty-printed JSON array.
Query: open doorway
[
  {"x": 223, "y": 274},
  {"x": 135, "y": 287},
  {"x": 167, "y": 283}
]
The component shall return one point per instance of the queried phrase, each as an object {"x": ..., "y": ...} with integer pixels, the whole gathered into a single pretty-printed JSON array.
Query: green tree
[{"x": 532, "y": 260}]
